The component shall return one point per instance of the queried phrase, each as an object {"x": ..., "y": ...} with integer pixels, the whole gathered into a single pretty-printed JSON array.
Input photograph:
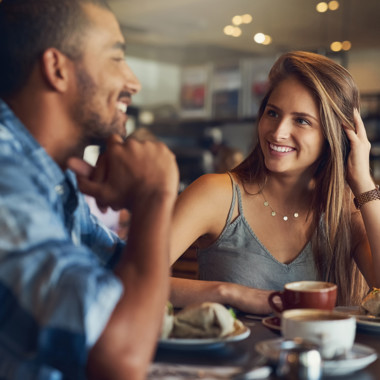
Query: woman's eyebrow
[
  {"x": 300, "y": 114},
  {"x": 304, "y": 114}
]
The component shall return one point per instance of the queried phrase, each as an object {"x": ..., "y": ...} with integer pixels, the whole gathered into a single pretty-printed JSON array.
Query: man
[{"x": 75, "y": 301}]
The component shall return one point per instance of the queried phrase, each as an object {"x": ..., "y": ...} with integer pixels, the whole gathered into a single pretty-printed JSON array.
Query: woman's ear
[{"x": 55, "y": 69}]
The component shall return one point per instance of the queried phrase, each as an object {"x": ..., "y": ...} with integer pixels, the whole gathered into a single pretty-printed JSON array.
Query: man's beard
[{"x": 95, "y": 131}]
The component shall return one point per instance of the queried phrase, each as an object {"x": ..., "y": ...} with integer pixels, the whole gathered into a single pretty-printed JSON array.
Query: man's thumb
[{"x": 80, "y": 167}]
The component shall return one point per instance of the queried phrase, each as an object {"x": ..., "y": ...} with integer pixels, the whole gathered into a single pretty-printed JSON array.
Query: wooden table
[{"x": 243, "y": 353}]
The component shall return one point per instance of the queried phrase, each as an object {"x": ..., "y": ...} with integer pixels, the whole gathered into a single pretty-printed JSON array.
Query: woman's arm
[
  {"x": 366, "y": 251},
  {"x": 185, "y": 292},
  {"x": 201, "y": 211}
]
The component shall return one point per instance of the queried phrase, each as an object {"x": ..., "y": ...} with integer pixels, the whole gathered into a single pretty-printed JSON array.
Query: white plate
[
  {"x": 363, "y": 321},
  {"x": 358, "y": 358},
  {"x": 204, "y": 343}
]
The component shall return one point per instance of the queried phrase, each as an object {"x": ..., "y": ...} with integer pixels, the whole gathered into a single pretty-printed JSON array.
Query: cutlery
[
  {"x": 256, "y": 373},
  {"x": 259, "y": 369}
]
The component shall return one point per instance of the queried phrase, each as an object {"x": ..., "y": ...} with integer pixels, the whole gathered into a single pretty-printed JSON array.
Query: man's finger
[
  {"x": 80, "y": 167},
  {"x": 89, "y": 187}
]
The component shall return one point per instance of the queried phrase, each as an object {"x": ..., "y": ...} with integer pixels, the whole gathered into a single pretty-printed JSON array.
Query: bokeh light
[{"x": 322, "y": 7}]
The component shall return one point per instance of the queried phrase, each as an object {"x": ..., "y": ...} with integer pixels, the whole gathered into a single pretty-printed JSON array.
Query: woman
[{"x": 286, "y": 212}]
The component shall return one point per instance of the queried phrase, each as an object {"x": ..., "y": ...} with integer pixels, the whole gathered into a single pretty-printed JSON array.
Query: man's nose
[{"x": 132, "y": 84}]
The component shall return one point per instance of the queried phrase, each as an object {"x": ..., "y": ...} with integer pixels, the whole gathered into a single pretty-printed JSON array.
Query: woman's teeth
[
  {"x": 281, "y": 149},
  {"x": 122, "y": 107}
]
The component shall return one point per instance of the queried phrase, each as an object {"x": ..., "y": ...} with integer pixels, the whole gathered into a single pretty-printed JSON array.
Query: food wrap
[
  {"x": 168, "y": 321},
  {"x": 371, "y": 302},
  {"x": 206, "y": 320}
]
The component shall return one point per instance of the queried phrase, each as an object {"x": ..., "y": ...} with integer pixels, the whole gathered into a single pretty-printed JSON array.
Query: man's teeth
[
  {"x": 281, "y": 149},
  {"x": 122, "y": 107}
]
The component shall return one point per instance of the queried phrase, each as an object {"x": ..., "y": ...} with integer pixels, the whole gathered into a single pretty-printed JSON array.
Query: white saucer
[
  {"x": 363, "y": 321},
  {"x": 204, "y": 343},
  {"x": 358, "y": 358}
]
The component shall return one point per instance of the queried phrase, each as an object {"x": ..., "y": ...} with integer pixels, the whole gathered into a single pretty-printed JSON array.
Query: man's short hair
[{"x": 29, "y": 27}]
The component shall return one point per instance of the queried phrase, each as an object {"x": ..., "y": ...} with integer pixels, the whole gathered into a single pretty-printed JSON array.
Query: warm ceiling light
[
  {"x": 346, "y": 45},
  {"x": 236, "y": 32},
  {"x": 237, "y": 20},
  {"x": 333, "y": 5},
  {"x": 146, "y": 117},
  {"x": 259, "y": 38},
  {"x": 336, "y": 46},
  {"x": 228, "y": 30},
  {"x": 267, "y": 40},
  {"x": 247, "y": 18},
  {"x": 322, "y": 7}
]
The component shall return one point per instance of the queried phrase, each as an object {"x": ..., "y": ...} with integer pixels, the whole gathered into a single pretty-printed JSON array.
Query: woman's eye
[
  {"x": 272, "y": 113},
  {"x": 302, "y": 121}
]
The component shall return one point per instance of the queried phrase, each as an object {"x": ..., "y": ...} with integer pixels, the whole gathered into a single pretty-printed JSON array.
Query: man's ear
[{"x": 56, "y": 69}]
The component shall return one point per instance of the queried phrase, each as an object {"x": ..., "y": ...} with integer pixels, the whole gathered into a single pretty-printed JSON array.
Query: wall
[
  {"x": 365, "y": 68},
  {"x": 160, "y": 82}
]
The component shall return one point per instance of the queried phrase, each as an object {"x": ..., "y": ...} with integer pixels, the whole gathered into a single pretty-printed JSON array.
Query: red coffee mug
[{"x": 305, "y": 295}]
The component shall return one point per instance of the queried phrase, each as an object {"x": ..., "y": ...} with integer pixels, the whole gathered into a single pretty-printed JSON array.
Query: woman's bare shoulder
[
  {"x": 210, "y": 194},
  {"x": 201, "y": 211},
  {"x": 212, "y": 183}
]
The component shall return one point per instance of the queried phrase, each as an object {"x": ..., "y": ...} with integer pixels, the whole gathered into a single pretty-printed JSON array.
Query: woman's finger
[{"x": 359, "y": 125}]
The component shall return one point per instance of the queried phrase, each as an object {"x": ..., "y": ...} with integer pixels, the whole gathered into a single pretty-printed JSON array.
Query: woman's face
[{"x": 290, "y": 131}]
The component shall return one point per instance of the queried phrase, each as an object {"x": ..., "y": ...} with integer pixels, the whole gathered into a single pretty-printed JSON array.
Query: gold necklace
[{"x": 274, "y": 213}]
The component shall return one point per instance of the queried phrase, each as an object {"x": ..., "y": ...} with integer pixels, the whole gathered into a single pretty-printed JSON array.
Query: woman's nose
[{"x": 282, "y": 129}]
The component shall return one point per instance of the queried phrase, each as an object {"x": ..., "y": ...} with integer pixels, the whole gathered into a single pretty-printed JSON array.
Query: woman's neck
[{"x": 288, "y": 195}]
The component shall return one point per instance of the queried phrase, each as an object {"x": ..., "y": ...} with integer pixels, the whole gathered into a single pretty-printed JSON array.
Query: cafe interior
[{"x": 203, "y": 66}]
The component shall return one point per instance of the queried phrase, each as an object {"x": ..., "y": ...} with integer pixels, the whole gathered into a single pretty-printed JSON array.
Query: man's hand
[{"x": 128, "y": 172}]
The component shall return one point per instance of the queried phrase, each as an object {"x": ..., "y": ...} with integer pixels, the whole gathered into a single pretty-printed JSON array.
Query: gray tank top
[{"x": 238, "y": 256}]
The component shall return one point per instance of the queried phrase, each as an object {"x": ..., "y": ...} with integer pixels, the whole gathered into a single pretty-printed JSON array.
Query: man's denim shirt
[{"x": 57, "y": 291}]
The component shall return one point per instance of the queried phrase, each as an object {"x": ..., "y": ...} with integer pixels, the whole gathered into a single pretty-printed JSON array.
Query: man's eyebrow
[{"x": 119, "y": 46}]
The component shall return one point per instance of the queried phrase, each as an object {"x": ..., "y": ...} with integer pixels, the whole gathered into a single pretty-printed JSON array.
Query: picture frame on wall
[{"x": 195, "y": 92}]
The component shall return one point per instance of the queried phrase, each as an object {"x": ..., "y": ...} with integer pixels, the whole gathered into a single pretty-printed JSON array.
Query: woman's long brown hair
[{"x": 337, "y": 96}]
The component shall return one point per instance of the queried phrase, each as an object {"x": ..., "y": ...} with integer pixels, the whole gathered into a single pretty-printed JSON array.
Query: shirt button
[{"x": 59, "y": 189}]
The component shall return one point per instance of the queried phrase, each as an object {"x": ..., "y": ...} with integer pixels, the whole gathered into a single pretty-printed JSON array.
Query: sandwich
[
  {"x": 168, "y": 321},
  {"x": 371, "y": 302},
  {"x": 205, "y": 320}
]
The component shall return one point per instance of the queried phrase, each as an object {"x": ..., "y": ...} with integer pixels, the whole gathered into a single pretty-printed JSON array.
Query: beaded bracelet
[{"x": 368, "y": 196}]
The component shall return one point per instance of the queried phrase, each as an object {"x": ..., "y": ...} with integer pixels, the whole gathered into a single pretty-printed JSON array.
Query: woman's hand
[{"x": 358, "y": 169}]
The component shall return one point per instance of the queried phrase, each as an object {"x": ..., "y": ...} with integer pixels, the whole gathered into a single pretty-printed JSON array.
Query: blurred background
[{"x": 203, "y": 66}]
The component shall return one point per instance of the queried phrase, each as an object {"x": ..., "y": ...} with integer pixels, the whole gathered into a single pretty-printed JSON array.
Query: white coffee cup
[{"x": 332, "y": 331}]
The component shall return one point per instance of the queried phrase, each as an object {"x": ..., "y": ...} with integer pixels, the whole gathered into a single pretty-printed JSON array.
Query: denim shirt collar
[{"x": 31, "y": 146}]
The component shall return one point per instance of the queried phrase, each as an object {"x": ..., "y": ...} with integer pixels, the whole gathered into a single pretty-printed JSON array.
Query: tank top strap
[
  {"x": 235, "y": 190},
  {"x": 240, "y": 203}
]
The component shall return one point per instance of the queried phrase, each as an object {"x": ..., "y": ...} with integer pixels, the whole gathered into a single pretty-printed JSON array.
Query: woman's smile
[{"x": 280, "y": 148}]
